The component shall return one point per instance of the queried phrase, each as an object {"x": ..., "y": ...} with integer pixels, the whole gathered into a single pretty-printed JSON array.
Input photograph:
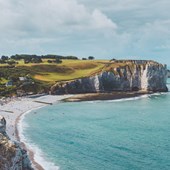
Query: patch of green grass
[
  {"x": 73, "y": 71},
  {"x": 67, "y": 70},
  {"x": 3, "y": 81}
]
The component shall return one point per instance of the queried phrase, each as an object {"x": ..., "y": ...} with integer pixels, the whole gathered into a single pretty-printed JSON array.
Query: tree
[
  {"x": 70, "y": 57},
  {"x": 84, "y": 58},
  {"x": 91, "y": 58},
  {"x": 4, "y": 58},
  {"x": 113, "y": 59},
  {"x": 36, "y": 60}
]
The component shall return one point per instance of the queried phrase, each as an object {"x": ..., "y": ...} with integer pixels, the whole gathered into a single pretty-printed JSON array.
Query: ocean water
[{"x": 131, "y": 134}]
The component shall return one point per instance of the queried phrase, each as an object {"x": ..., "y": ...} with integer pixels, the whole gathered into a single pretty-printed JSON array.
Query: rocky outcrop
[
  {"x": 168, "y": 73},
  {"x": 122, "y": 75},
  {"x": 12, "y": 156}
]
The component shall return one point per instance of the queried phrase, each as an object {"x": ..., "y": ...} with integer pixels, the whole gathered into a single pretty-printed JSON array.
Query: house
[
  {"x": 9, "y": 83},
  {"x": 23, "y": 78}
]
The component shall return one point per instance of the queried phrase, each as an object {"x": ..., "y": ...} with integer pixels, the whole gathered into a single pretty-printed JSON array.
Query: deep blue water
[{"x": 106, "y": 135}]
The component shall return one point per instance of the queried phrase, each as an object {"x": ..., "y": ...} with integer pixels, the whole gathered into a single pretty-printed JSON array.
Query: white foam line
[
  {"x": 118, "y": 100},
  {"x": 38, "y": 154},
  {"x": 127, "y": 99}
]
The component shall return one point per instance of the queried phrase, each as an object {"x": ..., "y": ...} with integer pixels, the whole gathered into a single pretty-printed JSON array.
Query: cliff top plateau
[{"x": 31, "y": 75}]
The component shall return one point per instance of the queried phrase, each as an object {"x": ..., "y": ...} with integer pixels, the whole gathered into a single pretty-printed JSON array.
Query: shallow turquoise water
[{"x": 110, "y": 135}]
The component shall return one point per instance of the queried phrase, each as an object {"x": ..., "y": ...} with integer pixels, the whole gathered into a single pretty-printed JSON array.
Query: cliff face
[
  {"x": 168, "y": 73},
  {"x": 124, "y": 75},
  {"x": 12, "y": 156}
]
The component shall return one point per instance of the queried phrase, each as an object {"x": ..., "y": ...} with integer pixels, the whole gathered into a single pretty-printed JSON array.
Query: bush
[
  {"x": 11, "y": 62},
  {"x": 50, "y": 61},
  {"x": 4, "y": 58},
  {"x": 58, "y": 61},
  {"x": 91, "y": 58}
]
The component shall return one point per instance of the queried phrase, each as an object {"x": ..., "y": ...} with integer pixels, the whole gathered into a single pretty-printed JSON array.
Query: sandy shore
[{"x": 14, "y": 109}]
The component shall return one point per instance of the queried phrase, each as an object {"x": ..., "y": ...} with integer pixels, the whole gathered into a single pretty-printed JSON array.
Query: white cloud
[
  {"x": 85, "y": 27},
  {"x": 44, "y": 16},
  {"x": 152, "y": 35},
  {"x": 42, "y": 25},
  {"x": 99, "y": 20}
]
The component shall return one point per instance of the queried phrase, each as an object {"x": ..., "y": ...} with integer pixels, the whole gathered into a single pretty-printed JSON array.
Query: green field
[
  {"x": 3, "y": 81},
  {"x": 67, "y": 70}
]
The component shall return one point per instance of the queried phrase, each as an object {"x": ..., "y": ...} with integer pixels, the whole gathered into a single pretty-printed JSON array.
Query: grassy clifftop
[
  {"x": 40, "y": 76},
  {"x": 68, "y": 69}
]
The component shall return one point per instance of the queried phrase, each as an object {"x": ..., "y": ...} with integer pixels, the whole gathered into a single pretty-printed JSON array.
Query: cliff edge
[
  {"x": 12, "y": 156},
  {"x": 119, "y": 75}
]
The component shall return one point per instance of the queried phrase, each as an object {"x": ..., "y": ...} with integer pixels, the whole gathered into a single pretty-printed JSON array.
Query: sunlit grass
[
  {"x": 67, "y": 70},
  {"x": 78, "y": 72},
  {"x": 3, "y": 81}
]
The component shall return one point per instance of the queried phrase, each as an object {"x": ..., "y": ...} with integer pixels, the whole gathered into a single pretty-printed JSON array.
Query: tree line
[{"x": 38, "y": 58}]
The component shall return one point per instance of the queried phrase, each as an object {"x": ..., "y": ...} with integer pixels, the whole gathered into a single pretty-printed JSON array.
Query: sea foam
[
  {"x": 39, "y": 156},
  {"x": 119, "y": 100}
]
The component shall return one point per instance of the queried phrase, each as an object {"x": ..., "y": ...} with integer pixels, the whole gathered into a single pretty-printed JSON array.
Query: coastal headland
[
  {"x": 59, "y": 75},
  {"x": 119, "y": 76},
  {"x": 87, "y": 80}
]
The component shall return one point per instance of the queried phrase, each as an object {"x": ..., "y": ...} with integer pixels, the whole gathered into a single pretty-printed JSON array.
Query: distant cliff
[
  {"x": 12, "y": 156},
  {"x": 119, "y": 75},
  {"x": 168, "y": 73}
]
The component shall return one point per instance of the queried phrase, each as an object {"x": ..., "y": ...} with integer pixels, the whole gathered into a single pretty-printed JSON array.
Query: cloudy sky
[{"x": 105, "y": 29}]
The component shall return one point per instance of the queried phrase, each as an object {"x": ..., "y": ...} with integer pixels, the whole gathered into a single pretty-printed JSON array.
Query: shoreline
[
  {"x": 105, "y": 96},
  {"x": 22, "y": 106},
  {"x": 29, "y": 151},
  {"x": 19, "y": 107}
]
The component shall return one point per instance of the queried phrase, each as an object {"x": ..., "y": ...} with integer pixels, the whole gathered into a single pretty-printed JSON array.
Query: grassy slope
[
  {"x": 3, "y": 81},
  {"x": 67, "y": 70},
  {"x": 72, "y": 71}
]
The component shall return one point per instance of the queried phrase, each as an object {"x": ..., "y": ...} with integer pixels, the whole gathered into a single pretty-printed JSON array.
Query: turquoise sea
[{"x": 131, "y": 134}]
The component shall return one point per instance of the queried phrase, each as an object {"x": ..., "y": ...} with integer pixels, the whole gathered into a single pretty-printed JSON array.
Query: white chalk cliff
[
  {"x": 129, "y": 75},
  {"x": 12, "y": 156}
]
